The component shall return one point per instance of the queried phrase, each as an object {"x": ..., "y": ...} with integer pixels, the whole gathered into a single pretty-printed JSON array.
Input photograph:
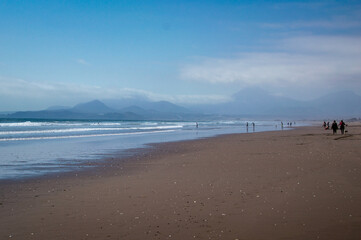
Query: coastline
[
  {"x": 30, "y": 149},
  {"x": 297, "y": 184}
]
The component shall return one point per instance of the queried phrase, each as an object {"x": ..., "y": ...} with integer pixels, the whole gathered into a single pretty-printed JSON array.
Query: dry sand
[{"x": 299, "y": 184}]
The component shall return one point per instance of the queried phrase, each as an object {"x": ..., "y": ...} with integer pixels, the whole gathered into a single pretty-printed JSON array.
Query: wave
[
  {"x": 38, "y": 124},
  {"x": 57, "y": 123},
  {"x": 83, "y": 136},
  {"x": 104, "y": 124},
  {"x": 69, "y": 130}
]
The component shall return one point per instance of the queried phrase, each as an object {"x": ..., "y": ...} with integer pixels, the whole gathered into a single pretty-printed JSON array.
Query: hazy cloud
[{"x": 303, "y": 62}]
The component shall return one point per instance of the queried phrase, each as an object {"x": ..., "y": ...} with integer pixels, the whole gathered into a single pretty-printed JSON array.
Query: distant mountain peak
[{"x": 94, "y": 106}]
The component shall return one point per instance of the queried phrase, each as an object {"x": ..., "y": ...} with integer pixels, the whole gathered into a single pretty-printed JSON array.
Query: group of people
[{"x": 335, "y": 126}]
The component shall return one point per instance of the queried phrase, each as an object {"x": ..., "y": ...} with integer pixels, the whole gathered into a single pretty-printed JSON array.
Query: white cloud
[{"x": 298, "y": 64}]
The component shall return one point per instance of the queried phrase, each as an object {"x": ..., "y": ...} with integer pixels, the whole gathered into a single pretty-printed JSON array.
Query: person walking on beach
[
  {"x": 334, "y": 127},
  {"x": 342, "y": 126}
]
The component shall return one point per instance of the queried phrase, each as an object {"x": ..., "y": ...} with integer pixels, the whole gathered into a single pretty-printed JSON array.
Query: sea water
[{"x": 33, "y": 148}]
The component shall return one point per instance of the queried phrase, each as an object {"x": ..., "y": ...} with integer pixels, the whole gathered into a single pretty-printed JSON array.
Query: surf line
[
  {"x": 82, "y": 136},
  {"x": 87, "y": 130}
]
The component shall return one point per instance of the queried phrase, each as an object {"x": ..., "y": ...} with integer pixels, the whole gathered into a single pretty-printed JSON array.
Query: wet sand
[{"x": 298, "y": 184}]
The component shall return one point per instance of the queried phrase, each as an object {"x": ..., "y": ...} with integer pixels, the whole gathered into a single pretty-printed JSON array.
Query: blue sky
[{"x": 65, "y": 52}]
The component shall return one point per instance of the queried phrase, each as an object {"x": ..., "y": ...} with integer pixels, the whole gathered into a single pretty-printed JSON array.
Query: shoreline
[
  {"x": 26, "y": 159},
  {"x": 228, "y": 185},
  {"x": 121, "y": 156}
]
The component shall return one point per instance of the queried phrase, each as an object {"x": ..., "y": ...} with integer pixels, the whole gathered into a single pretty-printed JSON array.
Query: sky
[{"x": 186, "y": 52}]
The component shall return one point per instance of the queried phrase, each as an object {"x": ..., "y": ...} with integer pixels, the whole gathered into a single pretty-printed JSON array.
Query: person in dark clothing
[
  {"x": 342, "y": 126},
  {"x": 334, "y": 127}
]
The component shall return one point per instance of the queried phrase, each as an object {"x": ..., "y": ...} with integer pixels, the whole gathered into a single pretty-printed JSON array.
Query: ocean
[{"x": 35, "y": 148}]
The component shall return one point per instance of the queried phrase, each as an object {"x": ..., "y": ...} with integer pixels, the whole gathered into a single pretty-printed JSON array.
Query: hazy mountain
[
  {"x": 167, "y": 107},
  {"x": 258, "y": 103},
  {"x": 248, "y": 103},
  {"x": 160, "y": 106},
  {"x": 53, "y": 108},
  {"x": 98, "y": 110},
  {"x": 253, "y": 102},
  {"x": 135, "y": 109},
  {"x": 338, "y": 104},
  {"x": 7, "y": 112},
  {"x": 96, "y": 107}
]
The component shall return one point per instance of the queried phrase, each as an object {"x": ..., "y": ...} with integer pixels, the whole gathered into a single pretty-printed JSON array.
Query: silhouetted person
[
  {"x": 342, "y": 126},
  {"x": 334, "y": 127},
  {"x": 253, "y": 125},
  {"x": 324, "y": 125},
  {"x": 328, "y": 125}
]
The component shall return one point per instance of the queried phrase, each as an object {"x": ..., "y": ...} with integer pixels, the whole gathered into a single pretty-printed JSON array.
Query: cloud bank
[{"x": 295, "y": 64}]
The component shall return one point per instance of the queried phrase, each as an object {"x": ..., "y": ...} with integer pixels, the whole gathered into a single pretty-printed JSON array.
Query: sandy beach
[{"x": 299, "y": 184}]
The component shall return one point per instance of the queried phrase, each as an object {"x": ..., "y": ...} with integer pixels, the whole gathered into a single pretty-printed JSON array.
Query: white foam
[
  {"x": 105, "y": 124},
  {"x": 69, "y": 130},
  {"x": 38, "y": 124},
  {"x": 83, "y": 136}
]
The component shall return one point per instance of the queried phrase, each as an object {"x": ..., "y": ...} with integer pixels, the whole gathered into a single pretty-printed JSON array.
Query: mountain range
[
  {"x": 98, "y": 110},
  {"x": 252, "y": 103}
]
